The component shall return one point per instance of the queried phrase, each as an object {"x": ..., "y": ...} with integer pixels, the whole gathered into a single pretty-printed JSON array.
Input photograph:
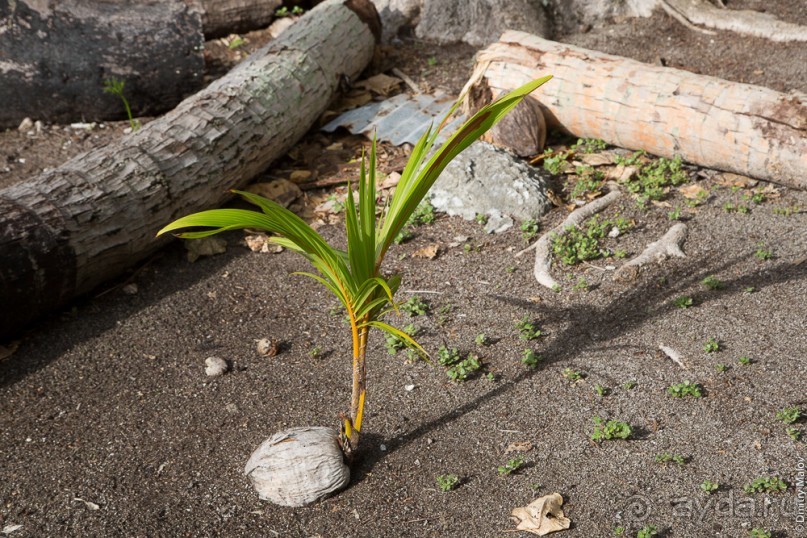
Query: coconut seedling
[{"x": 296, "y": 467}]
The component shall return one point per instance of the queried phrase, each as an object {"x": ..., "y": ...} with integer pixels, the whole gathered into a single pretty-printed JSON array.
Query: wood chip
[
  {"x": 430, "y": 252},
  {"x": 693, "y": 191},
  {"x": 519, "y": 446}
]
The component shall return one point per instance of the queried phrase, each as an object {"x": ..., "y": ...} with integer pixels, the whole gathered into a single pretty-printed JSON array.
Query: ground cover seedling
[
  {"x": 629, "y": 385},
  {"x": 571, "y": 374},
  {"x": 606, "y": 430},
  {"x": 654, "y": 179},
  {"x": 793, "y": 433},
  {"x": 581, "y": 244},
  {"x": 463, "y": 369},
  {"x": 674, "y": 214},
  {"x": 648, "y": 531},
  {"x": 582, "y": 284},
  {"x": 115, "y": 86},
  {"x": 395, "y": 343},
  {"x": 403, "y": 236},
  {"x": 721, "y": 368},
  {"x": 527, "y": 330},
  {"x": 447, "y": 357},
  {"x": 588, "y": 145},
  {"x": 530, "y": 358},
  {"x": 709, "y": 487},
  {"x": 713, "y": 283},
  {"x": 683, "y": 301},
  {"x": 529, "y": 229},
  {"x": 711, "y": 346},
  {"x": 666, "y": 457},
  {"x": 762, "y": 253},
  {"x": 481, "y": 219},
  {"x": 511, "y": 466},
  {"x": 589, "y": 180},
  {"x": 765, "y": 484},
  {"x": 414, "y": 307},
  {"x": 355, "y": 276},
  {"x": 315, "y": 352},
  {"x": 601, "y": 391},
  {"x": 555, "y": 162},
  {"x": 482, "y": 340},
  {"x": 682, "y": 390},
  {"x": 756, "y": 532},
  {"x": 789, "y": 415},
  {"x": 285, "y": 12},
  {"x": 447, "y": 482},
  {"x": 745, "y": 361}
]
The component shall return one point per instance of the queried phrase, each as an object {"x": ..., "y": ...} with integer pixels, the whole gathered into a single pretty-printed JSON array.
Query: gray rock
[
  {"x": 396, "y": 15},
  {"x": 490, "y": 181},
  {"x": 479, "y": 22},
  {"x": 216, "y": 366}
]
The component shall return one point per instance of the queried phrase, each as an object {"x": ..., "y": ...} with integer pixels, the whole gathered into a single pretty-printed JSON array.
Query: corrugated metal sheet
[{"x": 400, "y": 119}]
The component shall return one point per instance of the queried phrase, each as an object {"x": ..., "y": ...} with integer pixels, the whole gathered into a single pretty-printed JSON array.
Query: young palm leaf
[{"x": 354, "y": 277}]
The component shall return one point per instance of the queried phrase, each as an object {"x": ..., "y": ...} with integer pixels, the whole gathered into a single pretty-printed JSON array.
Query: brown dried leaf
[
  {"x": 727, "y": 179},
  {"x": 282, "y": 191},
  {"x": 430, "y": 252},
  {"x": 693, "y": 191},
  {"x": 596, "y": 159},
  {"x": 621, "y": 173},
  {"x": 381, "y": 84},
  {"x": 542, "y": 516},
  {"x": 518, "y": 446}
]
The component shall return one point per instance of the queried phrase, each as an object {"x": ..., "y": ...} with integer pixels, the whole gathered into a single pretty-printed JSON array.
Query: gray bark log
[
  {"x": 70, "y": 229},
  {"x": 224, "y": 17},
  {"x": 715, "y": 123},
  {"x": 55, "y": 56}
]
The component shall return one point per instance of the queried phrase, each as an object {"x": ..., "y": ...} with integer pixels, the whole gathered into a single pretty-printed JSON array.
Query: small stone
[
  {"x": 383, "y": 448},
  {"x": 300, "y": 176},
  {"x": 216, "y": 366},
  {"x": 26, "y": 125},
  {"x": 267, "y": 347},
  {"x": 130, "y": 289},
  {"x": 614, "y": 232},
  {"x": 409, "y": 388}
]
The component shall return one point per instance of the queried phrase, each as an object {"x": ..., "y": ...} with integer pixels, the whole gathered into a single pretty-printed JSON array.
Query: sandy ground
[{"x": 110, "y": 427}]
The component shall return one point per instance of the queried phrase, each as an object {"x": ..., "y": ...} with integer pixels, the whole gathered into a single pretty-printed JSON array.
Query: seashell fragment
[{"x": 298, "y": 466}]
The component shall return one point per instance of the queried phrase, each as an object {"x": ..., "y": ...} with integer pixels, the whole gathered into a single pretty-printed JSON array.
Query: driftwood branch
[
  {"x": 543, "y": 250},
  {"x": 668, "y": 246},
  {"x": 67, "y": 230},
  {"x": 748, "y": 130}
]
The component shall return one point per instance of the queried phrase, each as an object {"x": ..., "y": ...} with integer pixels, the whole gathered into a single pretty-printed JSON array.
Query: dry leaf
[
  {"x": 206, "y": 246},
  {"x": 693, "y": 191},
  {"x": 392, "y": 180},
  {"x": 519, "y": 446},
  {"x": 257, "y": 242},
  {"x": 621, "y": 173},
  {"x": 597, "y": 159},
  {"x": 282, "y": 191},
  {"x": 381, "y": 84},
  {"x": 542, "y": 516},
  {"x": 300, "y": 176},
  {"x": 429, "y": 252},
  {"x": 554, "y": 198},
  {"x": 727, "y": 179}
]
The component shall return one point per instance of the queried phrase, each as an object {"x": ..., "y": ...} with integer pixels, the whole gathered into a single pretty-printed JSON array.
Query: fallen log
[
  {"x": 55, "y": 57},
  {"x": 70, "y": 229},
  {"x": 224, "y": 17},
  {"x": 748, "y": 130}
]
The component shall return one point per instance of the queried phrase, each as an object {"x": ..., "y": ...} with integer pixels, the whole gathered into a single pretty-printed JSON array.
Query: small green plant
[
  {"x": 682, "y": 390},
  {"x": 554, "y": 163},
  {"x": 582, "y": 284},
  {"x": 315, "y": 352},
  {"x": 721, "y": 367},
  {"x": 447, "y": 482},
  {"x": 793, "y": 432},
  {"x": 285, "y": 12},
  {"x": 683, "y": 301},
  {"x": 482, "y": 340},
  {"x": 674, "y": 214},
  {"x": 511, "y": 466},
  {"x": 789, "y": 415},
  {"x": 115, "y": 86},
  {"x": 749, "y": 289},
  {"x": 745, "y": 361},
  {"x": 572, "y": 375},
  {"x": 653, "y": 180},
  {"x": 395, "y": 343},
  {"x": 606, "y": 430},
  {"x": 462, "y": 370},
  {"x": 648, "y": 531},
  {"x": 529, "y": 229},
  {"x": 530, "y": 358},
  {"x": 447, "y": 357},
  {"x": 765, "y": 484},
  {"x": 414, "y": 307},
  {"x": 236, "y": 42},
  {"x": 481, "y": 218},
  {"x": 619, "y": 531},
  {"x": 666, "y": 457},
  {"x": 756, "y": 532},
  {"x": 713, "y": 283},
  {"x": 580, "y": 244},
  {"x": 786, "y": 211},
  {"x": 601, "y": 391},
  {"x": 403, "y": 236},
  {"x": 711, "y": 346},
  {"x": 588, "y": 145},
  {"x": 424, "y": 214},
  {"x": 709, "y": 487},
  {"x": 762, "y": 253},
  {"x": 432, "y": 61},
  {"x": 629, "y": 385},
  {"x": 527, "y": 330}
]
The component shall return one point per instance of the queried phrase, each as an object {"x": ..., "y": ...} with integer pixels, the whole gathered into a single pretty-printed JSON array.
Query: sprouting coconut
[{"x": 299, "y": 466}]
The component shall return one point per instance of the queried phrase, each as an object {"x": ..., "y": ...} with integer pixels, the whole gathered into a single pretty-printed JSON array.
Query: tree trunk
[
  {"x": 714, "y": 123},
  {"x": 224, "y": 17},
  {"x": 55, "y": 56},
  {"x": 70, "y": 229}
]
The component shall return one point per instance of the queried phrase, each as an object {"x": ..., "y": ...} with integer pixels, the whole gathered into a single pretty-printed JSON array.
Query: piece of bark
[
  {"x": 55, "y": 57},
  {"x": 543, "y": 247},
  {"x": 669, "y": 245},
  {"x": 740, "y": 128},
  {"x": 741, "y": 21},
  {"x": 67, "y": 230},
  {"x": 225, "y": 17}
]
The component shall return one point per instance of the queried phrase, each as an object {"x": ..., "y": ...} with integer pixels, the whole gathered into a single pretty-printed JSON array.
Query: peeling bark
[
  {"x": 70, "y": 229},
  {"x": 224, "y": 17},
  {"x": 740, "y": 128}
]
